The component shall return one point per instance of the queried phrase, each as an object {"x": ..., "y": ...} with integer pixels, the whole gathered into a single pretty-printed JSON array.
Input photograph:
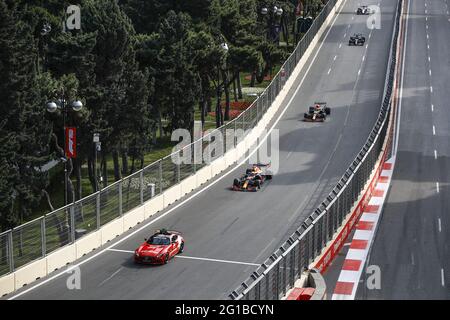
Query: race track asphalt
[
  {"x": 411, "y": 246},
  {"x": 247, "y": 227}
]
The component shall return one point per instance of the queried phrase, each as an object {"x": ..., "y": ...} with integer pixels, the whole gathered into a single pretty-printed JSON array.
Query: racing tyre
[
  {"x": 311, "y": 109},
  {"x": 181, "y": 248},
  {"x": 236, "y": 182},
  {"x": 166, "y": 258},
  {"x": 327, "y": 111},
  {"x": 258, "y": 184}
]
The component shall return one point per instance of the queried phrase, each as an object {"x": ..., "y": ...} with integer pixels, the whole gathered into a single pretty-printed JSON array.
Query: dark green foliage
[
  {"x": 24, "y": 132},
  {"x": 140, "y": 67}
]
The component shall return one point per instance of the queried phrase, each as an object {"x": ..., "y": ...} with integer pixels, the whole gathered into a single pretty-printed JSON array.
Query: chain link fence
[
  {"x": 277, "y": 274},
  {"x": 63, "y": 226}
]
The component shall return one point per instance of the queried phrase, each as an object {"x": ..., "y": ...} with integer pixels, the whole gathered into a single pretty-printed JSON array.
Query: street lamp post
[
  {"x": 273, "y": 22},
  {"x": 62, "y": 105},
  {"x": 224, "y": 47},
  {"x": 45, "y": 31},
  {"x": 98, "y": 148}
]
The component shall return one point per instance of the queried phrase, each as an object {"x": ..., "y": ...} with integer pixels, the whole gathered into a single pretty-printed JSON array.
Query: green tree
[{"x": 24, "y": 131}]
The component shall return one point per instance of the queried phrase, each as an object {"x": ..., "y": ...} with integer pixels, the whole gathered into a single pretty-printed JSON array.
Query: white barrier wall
[
  {"x": 112, "y": 230},
  {"x": 61, "y": 257},
  {"x": 153, "y": 206},
  {"x": 171, "y": 195},
  {"x": 30, "y": 272},
  {"x": 86, "y": 244},
  {"x": 133, "y": 217},
  {"x": 188, "y": 184},
  {"x": 230, "y": 157},
  {"x": 203, "y": 175},
  {"x": 218, "y": 166},
  {"x": 7, "y": 284}
]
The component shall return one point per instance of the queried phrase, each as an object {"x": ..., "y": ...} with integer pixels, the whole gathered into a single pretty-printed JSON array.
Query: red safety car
[{"x": 160, "y": 247}]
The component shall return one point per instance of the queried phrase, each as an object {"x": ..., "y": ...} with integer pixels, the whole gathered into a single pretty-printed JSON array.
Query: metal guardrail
[
  {"x": 278, "y": 273},
  {"x": 35, "y": 239}
]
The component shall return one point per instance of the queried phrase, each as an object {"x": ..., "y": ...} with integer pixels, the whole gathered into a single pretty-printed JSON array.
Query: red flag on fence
[{"x": 71, "y": 142}]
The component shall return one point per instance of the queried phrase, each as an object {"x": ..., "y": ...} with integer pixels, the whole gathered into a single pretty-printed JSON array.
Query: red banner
[{"x": 71, "y": 142}]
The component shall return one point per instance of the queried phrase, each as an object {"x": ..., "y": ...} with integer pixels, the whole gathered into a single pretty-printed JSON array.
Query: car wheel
[
  {"x": 236, "y": 182},
  {"x": 181, "y": 248},
  {"x": 327, "y": 111},
  {"x": 166, "y": 258}
]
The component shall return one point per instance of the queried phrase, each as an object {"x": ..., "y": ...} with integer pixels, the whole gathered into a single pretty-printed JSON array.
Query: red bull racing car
[
  {"x": 253, "y": 178},
  {"x": 160, "y": 247},
  {"x": 317, "y": 113}
]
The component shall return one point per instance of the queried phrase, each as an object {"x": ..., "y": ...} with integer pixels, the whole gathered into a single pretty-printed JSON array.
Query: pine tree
[{"x": 25, "y": 133}]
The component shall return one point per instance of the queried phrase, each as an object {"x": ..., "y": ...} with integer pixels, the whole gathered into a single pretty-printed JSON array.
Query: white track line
[
  {"x": 218, "y": 260},
  {"x": 442, "y": 278},
  {"x": 200, "y": 191},
  {"x": 439, "y": 225},
  {"x": 199, "y": 258},
  {"x": 118, "y": 250},
  {"x": 110, "y": 277},
  {"x": 437, "y": 187}
]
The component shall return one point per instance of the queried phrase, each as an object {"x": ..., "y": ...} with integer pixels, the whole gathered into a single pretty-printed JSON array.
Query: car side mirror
[{"x": 145, "y": 239}]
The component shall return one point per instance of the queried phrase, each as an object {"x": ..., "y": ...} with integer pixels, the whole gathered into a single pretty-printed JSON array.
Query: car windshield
[{"x": 158, "y": 240}]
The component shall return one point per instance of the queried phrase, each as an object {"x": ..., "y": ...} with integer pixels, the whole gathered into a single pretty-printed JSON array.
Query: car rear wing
[
  {"x": 321, "y": 103},
  {"x": 169, "y": 231},
  {"x": 261, "y": 164}
]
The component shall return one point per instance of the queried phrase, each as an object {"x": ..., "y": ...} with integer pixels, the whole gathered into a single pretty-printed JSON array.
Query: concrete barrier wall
[
  {"x": 112, "y": 230},
  {"x": 240, "y": 150},
  {"x": 153, "y": 206},
  {"x": 7, "y": 284},
  {"x": 88, "y": 243},
  {"x": 30, "y": 272},
  {"x": 230, "y": 157},
  {"x": 217, "y": 166},
  {"x": 315, "y": 280},
  {"x": 188, "y": 184},
  {"x": 61, "y": 257},
  {"x": 203, "y": 175},
  {"x": 133, "y": 217},
  {"x": 171, "y": 195}
]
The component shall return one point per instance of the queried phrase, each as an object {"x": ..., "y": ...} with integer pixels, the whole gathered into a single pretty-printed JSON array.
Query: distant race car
[
  {"x": 358, "y": 39},
  {"x": 363, "y": 10},
  {"x": 160, "y": 247},
  {"x": 253, "y": 178},
  {"x": 317, "y": 113}
]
